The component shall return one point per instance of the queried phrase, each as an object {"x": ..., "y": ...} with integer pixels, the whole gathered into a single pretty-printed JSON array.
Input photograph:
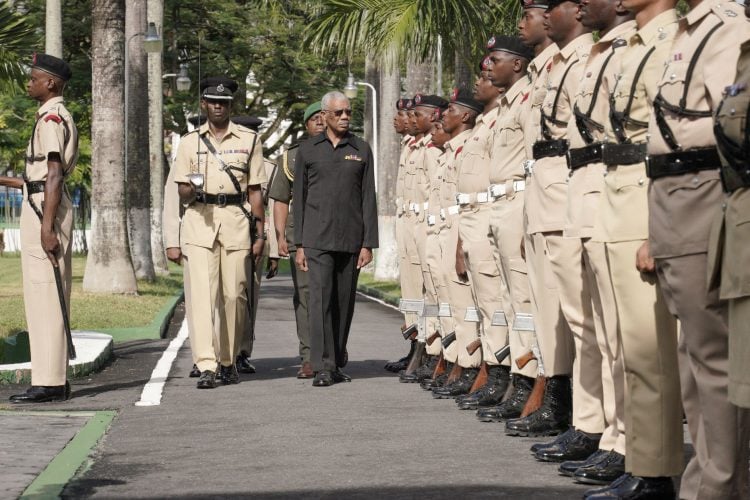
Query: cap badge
[
  {"x": 418, "y": 99},
  {"x": 454, "y": 95},
  {"x": 491, "y": 42},
  {"x": 220, "y": 88}
]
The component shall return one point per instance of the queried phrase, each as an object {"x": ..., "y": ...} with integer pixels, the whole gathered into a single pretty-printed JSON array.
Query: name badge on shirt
[{"x": 353, "y": 158}]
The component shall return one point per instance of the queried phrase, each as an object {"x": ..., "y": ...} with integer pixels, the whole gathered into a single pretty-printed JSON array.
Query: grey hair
[{"x": 331, "y": 96}]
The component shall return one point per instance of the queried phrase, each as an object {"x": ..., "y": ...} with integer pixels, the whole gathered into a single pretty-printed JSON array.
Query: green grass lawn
[
  {"x": 129, "y": 315},
  {"x": 390, "y": 290}
]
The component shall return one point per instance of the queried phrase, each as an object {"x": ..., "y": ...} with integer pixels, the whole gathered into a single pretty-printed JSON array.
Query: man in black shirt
[{"x": 336, "y": 230}]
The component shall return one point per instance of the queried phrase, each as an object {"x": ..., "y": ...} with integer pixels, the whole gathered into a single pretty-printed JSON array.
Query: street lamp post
[
  {"x": 350, "y": 90},
  {"x": 182, "y": 80},
  {"x": 151, "y": 44}
]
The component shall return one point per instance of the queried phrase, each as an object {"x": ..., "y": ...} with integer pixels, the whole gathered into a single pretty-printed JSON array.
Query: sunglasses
[{"x": 339, "y": 112}]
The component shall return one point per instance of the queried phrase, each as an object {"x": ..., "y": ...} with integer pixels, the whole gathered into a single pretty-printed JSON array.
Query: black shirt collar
[{"x": 346, "y": 140}]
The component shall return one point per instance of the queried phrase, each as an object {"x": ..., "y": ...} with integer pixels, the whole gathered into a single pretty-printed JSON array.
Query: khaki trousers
[
  {"x": 410, "y": 271},
  {"x": 739, "y": 351},
  {"x": 486, "y": 283},
  {"x": 49, "y": 348},
  {"x": 460, "y": 298},
  {"x": 217, "y": 276},
  {"x": 574, "y": 288},
  {"x": 543, "y": 252},
  {"x": 431, "y": 323},
  {"x": 606, "y": 350},
  {"x": 439, "y": 277},
  {"x": 719, "y": 430},
  {"x": 506, "y": 230},
  {"x": 653, "y": 416}
]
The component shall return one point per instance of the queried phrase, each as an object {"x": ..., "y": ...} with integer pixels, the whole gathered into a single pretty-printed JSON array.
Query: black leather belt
[
  {"x": 580, "y": 157},
  {"x": 545, "y": 149},
  {"x": 33, "y": 187},
  {"x": 221, "y": 199},
  {"x": 682, "y": 162}
]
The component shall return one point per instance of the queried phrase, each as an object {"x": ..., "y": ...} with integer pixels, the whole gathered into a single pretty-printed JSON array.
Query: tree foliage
[{"x": 17, "y": 35}]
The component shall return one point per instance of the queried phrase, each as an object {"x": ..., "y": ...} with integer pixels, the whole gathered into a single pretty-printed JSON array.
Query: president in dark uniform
[{"x": 337, "y": 228}]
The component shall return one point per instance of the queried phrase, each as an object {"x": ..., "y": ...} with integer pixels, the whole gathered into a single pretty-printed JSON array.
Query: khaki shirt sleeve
[
  {"x": 170, "y": 216},
  {"x": 51, "y": 136},
  {"x": 257, "y": 174},
  {"x": 181, "y": 165}
]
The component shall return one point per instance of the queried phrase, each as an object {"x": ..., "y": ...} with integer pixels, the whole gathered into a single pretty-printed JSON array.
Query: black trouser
[{"x": 333, "y": 286}]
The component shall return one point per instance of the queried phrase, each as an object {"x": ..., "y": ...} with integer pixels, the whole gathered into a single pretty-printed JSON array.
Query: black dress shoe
[
  {"x": 605, "y": 471},
  {"x": 624, "y": 477},
  {"x": 42, "y": 394},
  {"x": 195, "y": 372},
  {"x": 323, "y": 378},
  {"x": 460, "y": 386},
  {"x": 207, "y": 380},
  {"x": 229, "y": 375},
  {"x": 571, "y": 466},
  {"x": 637, "y": 488},
  {"x": 338, "y": 376},
  {"x": 579, "y": 446},
  {"x": 564, "y": 437},
  {"x": 243, "y": 363}
]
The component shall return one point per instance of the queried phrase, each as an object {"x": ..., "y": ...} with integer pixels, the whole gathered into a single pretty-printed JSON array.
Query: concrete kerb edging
[
  {"x": 52, "y": 480},
  {"x": 21, "y": 373},
  {"x": 388, "y": 298}
]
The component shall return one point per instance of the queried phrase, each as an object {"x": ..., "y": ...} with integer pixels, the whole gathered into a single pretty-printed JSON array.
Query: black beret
[
  {"x": 52, "y": 65},
  {"x": 402, "y": 104},
  {"x": 510, "y": 44},
  {"x": 219, "y": 87},
  {"x": 251, "y": 122},
  {"x": 466, "y": 99},
  {"x": 409, "y": 105},
  {"x": 555, "y": 3},
  {"x": 534, "y": 4},
  {"x": 484, "y": 64},
  {"x": 429, "y": 100}
]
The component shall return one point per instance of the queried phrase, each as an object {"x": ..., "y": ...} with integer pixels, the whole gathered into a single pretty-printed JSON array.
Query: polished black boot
[
  {"x": 417, "y": 360},
  {"x": 552, "y": 418},
  {"x": 498, "y": 380},
  {"x": 458, "y": 387},
  {"x": 577, "y": 447},
  {"x": 421, "y": 373},
  {"x": 606, "y": 470},
  {"x": 401, "y": 364},
  {"x": 570, "y": 467},
  {"x": 430, "y": 383},
  {"x": 42, "y": 394},
  {"x": 229, "y": 375},
  {"x": 511, "y": 407},
  {"x": 629, "y": 487}
]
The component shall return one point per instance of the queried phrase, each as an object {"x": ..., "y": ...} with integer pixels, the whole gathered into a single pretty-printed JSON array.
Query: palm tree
[
  {"x": 16, "y": 38},
  {"x": 108, "y": 267}
]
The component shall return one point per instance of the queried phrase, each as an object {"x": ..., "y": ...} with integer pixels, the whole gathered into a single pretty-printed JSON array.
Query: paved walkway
[{"x": 274, "y": 436}]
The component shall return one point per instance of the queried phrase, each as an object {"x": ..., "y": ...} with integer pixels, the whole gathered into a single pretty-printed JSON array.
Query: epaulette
[
  {"x": 53, "y": 117},
  {"x": 728, "y": 11}
]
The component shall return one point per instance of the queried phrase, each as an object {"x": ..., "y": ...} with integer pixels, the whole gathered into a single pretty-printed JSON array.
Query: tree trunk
[
  {"x": 108, "y": 267},
  {"x": 137, "y": 171},
  {"x": 53, "y": 28},
  {"x": 156, "y": 143},
  {"x": 464, "y": 73},
  {"x": 386, "y": 259},
  {"x": 419, "y": 78}
]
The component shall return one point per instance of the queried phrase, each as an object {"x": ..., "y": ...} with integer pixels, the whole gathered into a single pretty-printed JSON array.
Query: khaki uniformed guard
[
  {"x": 600, "y": 358},
  {"x": 684, "y": 196},
  {"x": 46, "y": 230},
  {"x": 402, "y": 127},
  {"x": 567, "y": 319},
  {"x": 474, "y": 258},
  {"x": 218, "y": 168},
  {"x": 731, "y": 245},
  {"x": 647, "y": 330},
  {"x": 281, "y": 192}
]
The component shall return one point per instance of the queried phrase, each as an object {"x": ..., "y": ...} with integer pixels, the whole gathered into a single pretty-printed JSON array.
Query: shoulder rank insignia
[
  {"x": 52, "y": 117},
  {"x": 458, "y": 151}
]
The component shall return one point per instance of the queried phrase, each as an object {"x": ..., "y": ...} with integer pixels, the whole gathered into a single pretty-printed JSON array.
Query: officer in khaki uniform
[
  {"x": 281, "y": 193},
  {"x": 509, "y": 58},
  {"x": 219, "y": 167},
  {"x": 474, "y": 251},
  {"x": 729, "y": 235},
  {"x": 684, "y": 196},
  {"x": 402, "y": 128},
  {"x": 46, "y": 229},
  {"x": 555, "y": 260}
]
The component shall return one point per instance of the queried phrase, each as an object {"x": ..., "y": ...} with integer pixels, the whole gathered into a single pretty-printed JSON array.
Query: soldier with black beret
[
  {"x": 218, "y": 168},
  {"x": 46, "y": 229}
]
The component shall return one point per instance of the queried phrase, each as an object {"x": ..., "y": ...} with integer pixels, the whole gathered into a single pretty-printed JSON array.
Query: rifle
[
  {"x": 535, "y": 398},
  {"x": 524, "y": 360},
  {"x": 473, "y": 346},
  {"x": 439, "y": 367},
  {"x": 410, "y": 332},
  {"x": 432, "y": 338}
]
